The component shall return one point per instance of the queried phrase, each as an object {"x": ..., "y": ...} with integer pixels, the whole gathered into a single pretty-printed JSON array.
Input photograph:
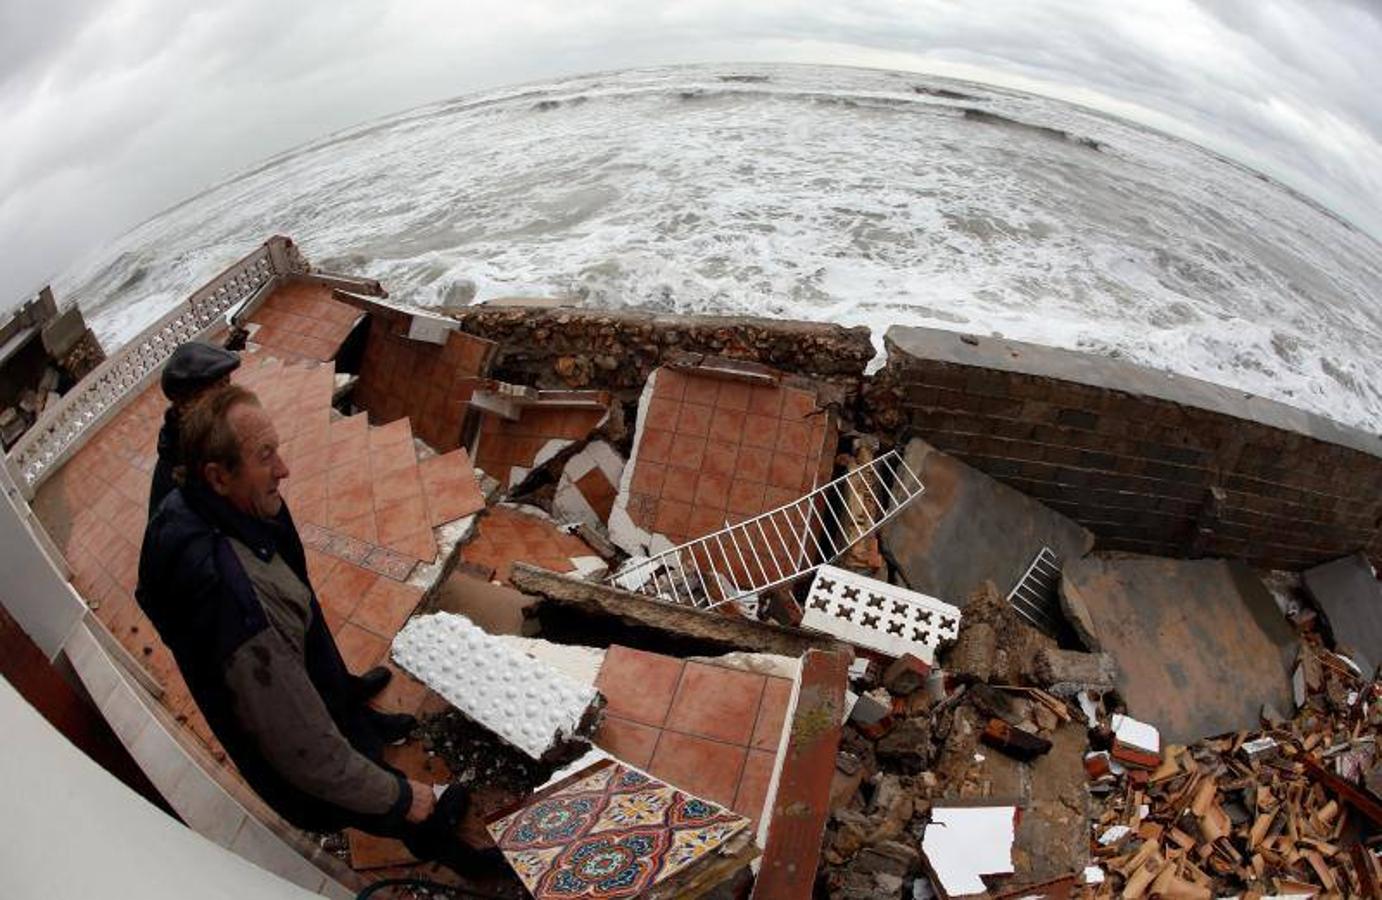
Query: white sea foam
[{"x": 834, "y": 194}]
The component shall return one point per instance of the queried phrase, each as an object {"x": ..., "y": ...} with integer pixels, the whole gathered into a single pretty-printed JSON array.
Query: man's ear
[{"x": 217, "y": 477}]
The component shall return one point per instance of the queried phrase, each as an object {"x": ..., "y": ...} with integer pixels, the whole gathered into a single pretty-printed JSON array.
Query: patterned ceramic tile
[{"x": 610, "y": 832}]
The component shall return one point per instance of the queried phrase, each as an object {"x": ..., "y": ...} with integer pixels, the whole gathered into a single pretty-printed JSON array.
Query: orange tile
[
  {"x": 701, "y": 389},
  {"x": 688, "y": 452},
  {"x": 698, "y": 766},
  {"x": 661, "y": 415},
  {"x": 797, "y": 403},
  {"x": 679, "y": 485},
  {"x": 361, "y": 528},
  {"x": 360, "y": 649},
  {"x": 627, "y": 740},
  {"x": 654, "y": 445},
  {"x": 772, "y": 712},
  {"x": 396, "y": 486},
  {"x": 648, "y": 478},
  {"x": 753, "y": 784},
  {"x": 672, "y": 517},
  {"x": 694, "y": 419},
  {"x": 712, "y": 491},
  {"x": 734, "y": 395},
  {"x": 721, "y": 458},
  {"x": 746, "y": 497},
  {"x": 727, "y": 425},
  {"x": 638, "y": 685},
  {"x": 342, "y": 589},
  {"x": 717, "y": 703},
  {"x": 752, "y": 463},
  {"x": 760, "y": 431},
  {"x": 794, "y": 437},
  {"x": 670, "y": 384},
  {"x": 386, "y": 606},
  {"x": 350, "y": 503},
  {"x": 785, "y": 470},
  {"x": 401, "y": 518}
]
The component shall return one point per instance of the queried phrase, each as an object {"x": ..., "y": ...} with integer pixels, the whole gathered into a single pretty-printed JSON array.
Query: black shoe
[
  {"x": 371, "y": 683},
  {"x": 392, "y": 727}
]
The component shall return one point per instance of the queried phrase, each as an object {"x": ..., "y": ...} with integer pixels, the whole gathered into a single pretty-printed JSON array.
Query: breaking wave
[{"x": 853, "y": 196}]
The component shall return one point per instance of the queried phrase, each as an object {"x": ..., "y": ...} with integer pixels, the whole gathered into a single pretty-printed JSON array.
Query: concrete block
[
  {"x": 905, "y": 675},
  {"x": 968, "y": 528},
  {"x": 1350, "y": 596},
  {"x": 878, "y": 615},
  {"x": 1068, "y": 672},
  {"x": 63, "y": 332}
]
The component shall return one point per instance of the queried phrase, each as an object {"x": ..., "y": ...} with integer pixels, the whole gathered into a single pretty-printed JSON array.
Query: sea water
[{"x": 853, "y": 196}]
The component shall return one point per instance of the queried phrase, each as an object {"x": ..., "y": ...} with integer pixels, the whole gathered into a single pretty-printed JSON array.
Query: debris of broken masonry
[{"x": 794, "y": 630}]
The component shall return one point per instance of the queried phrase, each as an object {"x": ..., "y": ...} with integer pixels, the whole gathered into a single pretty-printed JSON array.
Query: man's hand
[{"x": 424, "y": 801}]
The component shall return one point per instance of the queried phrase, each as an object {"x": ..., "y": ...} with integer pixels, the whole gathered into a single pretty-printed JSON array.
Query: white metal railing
[
  {"x": 779, "y": 546},
  {"x": 64, "y": 425},
  {"x": 1034, "y": 595}
]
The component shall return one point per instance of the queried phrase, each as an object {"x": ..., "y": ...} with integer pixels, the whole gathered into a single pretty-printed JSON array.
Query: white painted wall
[
  {"x": 36, "y": 594},
  {"x": 69, "y": 830}
]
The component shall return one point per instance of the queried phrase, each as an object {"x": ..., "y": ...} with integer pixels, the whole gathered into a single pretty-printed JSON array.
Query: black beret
[{"x": 194, "y": 365}]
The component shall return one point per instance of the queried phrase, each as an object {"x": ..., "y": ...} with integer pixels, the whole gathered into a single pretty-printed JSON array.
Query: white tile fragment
[
  {"x": 1136, "y": 734},
  {"x": 1113, "y": 834},
  {"x": 961, "y": 843},
  {"x": 1093, "y": 875},
  {"x": 878, "y": 615},
  {"x": 524, "y": 701}
]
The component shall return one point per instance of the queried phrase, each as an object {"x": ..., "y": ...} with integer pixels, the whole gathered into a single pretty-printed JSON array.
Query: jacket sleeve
[{"x": 280, "y": 709}]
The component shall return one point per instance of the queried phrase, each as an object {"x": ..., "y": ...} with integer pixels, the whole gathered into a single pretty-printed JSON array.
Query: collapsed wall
[{"x": 1148, "y": 461}]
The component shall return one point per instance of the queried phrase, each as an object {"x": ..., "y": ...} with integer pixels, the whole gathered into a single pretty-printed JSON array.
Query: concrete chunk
[
  {"x": 1350, "y": 596},
  {"x": 1068, "y": 672}
]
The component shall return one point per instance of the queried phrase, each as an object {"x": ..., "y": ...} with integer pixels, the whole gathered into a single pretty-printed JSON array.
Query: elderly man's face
[{"x": 253, "y": 487}]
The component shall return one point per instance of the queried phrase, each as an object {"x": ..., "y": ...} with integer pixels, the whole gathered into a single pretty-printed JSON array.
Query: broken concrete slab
[
  {"x": 968, "y": 528},
  {"x": 536, "y": 708},
  {"x": 1200, "y": 644},
  {"x": 588, "y": 484},
  {"x": 1350, "y": 596},
  {"x": 541, "y": 427},
  {"x": 601, "y": 603},
  {"x": 710, "y": 449},
  {"x": 1069, "y": 672}
]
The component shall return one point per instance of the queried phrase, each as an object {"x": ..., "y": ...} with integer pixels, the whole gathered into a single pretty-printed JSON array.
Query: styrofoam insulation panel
[
  {"x": 878, "y": 615},
  {"x": 524, "y": 701}
]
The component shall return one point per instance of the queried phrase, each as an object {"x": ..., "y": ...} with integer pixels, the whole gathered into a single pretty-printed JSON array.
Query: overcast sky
[{"x": 115, "y": 110}]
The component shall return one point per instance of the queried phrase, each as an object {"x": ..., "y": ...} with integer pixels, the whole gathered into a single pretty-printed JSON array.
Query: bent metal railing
[
  {"x": 65, "y": 425},
  {"x": 779, "y": 546}
]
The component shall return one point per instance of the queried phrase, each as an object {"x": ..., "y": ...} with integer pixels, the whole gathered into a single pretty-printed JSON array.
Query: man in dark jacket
[
  {"x": 193, "y": 369},
  {"x": 223, "y": 577}
]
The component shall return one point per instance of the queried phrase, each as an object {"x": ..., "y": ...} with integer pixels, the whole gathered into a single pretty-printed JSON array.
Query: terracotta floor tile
[
  {"x": 654, "y": 445},
  {"x": 639, "y": 685},
  {"x": 786, "y": 470},
  {"x": 694, "y": 419},
  {"x": 772, "y": 712},
  {"x": 721, "y": 458},
  {"x": 361, "y": 528},
  {"x": 688, "y": 451},
  {"x": 627, "y": 740},
  {"x": 712, "y": 490},
  {"x": 794, "y": 437},
  {"x": 752, "y": 463},
  {"x": 701, "y": 389},
  {"x": 670, "y": 384},
  {"x": 386, "y": 606},
  {"x": 419, "y": 545},
  {"x": 733, "y": 395},
  {"x": 716, "y": 703},
  {"x": 349, "y": 503},
  {"x": 448, "y": 501},
  {"x": 344, "y": 588},
  {"x": 797, "y": 404},
  {"x": 401, "y": 519},
  {"x": 727, "y": 425},
  {"x": 661, "y": 414},
  {"x": 672, "y": 517},
  {"x": 361, "y": 649},
  {"x": 698, "y": 766},
  {"x": 753, "y": 784},
  {"x": 397, "y": 485},
  {"x": 746, "y": 497},
  {"x": 648, "y": 478},
  {"x": 678, "y": 485},
  {"x": 760, "y": 431}
]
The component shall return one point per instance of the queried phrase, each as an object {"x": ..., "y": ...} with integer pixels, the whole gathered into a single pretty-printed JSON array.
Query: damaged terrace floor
[{"x": 988, "y": 713}]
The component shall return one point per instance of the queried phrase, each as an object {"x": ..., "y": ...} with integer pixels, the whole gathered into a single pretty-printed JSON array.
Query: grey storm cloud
[{"x": 115, "y": 110}]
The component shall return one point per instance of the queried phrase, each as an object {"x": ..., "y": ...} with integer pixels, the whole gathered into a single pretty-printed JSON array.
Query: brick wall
[{"x": 1149, "y": 462}]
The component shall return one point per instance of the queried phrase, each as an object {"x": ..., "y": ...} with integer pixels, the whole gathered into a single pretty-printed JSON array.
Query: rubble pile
[{"x": 1273, "y": 811}]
